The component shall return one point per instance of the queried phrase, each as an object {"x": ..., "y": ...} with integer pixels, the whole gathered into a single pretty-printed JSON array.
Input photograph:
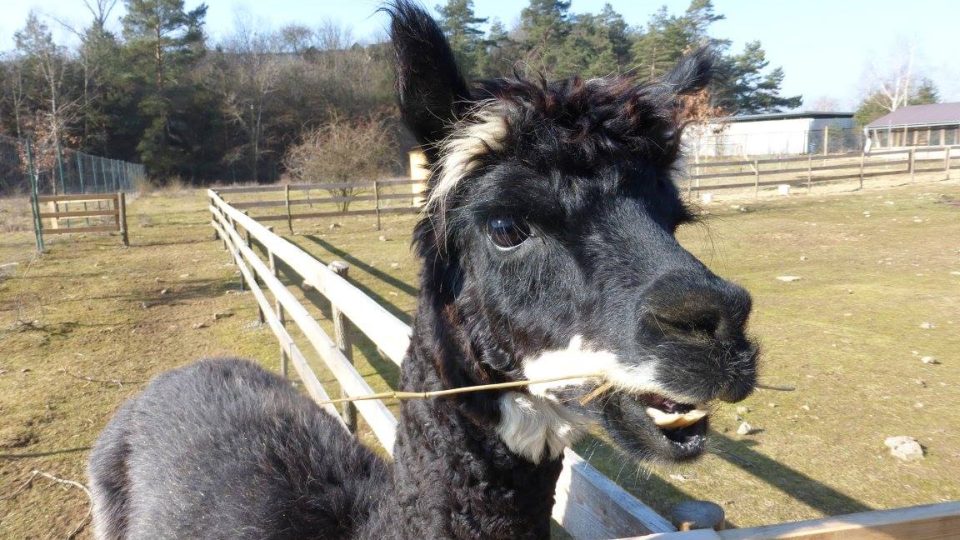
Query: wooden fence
[
  {"x": 806, "y": 171},
  {"x": 588, "y": 504},
  {"x": 926, "y": 522},
  {"x": 62, "y": 217},
  {"x": 385, "y": 197}
]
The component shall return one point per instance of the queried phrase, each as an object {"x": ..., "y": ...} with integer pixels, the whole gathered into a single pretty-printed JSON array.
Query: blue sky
[{"x": 828, "y": 48}]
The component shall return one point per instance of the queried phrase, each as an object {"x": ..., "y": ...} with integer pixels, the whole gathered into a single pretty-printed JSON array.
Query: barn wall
[{"x": 789, "y": 136}]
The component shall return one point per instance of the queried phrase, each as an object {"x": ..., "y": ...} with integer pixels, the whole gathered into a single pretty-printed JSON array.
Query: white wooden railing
[{"x": 588, "y": 504}]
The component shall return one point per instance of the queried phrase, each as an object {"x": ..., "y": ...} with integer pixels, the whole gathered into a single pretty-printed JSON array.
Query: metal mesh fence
[{"x": 58, "y": 171}]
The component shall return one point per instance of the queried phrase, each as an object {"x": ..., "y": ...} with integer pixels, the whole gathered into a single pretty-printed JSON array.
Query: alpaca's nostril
[{"x": 707, "y": 307}]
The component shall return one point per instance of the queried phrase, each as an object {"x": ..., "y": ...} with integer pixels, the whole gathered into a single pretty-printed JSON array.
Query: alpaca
[{"x": 548, "y": 250}]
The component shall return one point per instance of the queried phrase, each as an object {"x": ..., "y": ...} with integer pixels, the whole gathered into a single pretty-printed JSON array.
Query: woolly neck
[{"x": 453, "y": 475}]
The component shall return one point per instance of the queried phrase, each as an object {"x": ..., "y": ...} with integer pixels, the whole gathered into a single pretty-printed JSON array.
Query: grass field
[{"x": 879, "y": 289}]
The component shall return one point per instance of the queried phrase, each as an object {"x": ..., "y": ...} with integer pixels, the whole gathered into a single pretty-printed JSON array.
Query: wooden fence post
[
  {"x": 863, "y": 156},
  {"x": 122, "y": 217},
  {"x": 809, "y": 172},
  {"x": 946, "y": 162},
  {"x": 756, "y": 178},
  {"x": 286, "y": 199},
  {"x": 284, "y": 360},
  {"x": 376, "y": 200},
  {"x": 911, "y": 164},
  {"x": 216, "y": 235},
  {"x": 341, "y": 334},
  {"x": 261, "y": 318},
  {"x": 826, "y": 140}
]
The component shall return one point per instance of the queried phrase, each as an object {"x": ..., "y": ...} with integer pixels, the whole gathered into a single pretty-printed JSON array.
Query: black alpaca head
[{"x": 549, "y": 250}]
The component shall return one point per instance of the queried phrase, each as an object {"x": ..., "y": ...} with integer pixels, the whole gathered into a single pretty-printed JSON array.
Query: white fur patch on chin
[{"x": 537, "y": 427}]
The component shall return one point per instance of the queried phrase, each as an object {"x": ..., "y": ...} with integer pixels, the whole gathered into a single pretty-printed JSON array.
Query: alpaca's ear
[
  {"x": 692, "y": 73},
  {"x": 430, "y": 88}
]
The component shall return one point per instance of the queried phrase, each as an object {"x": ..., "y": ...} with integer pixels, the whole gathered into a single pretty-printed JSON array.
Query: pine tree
[
  {"x": 743, "y": 88},
  {"x": 544, "y": 26},
  {"x": 461, "y": 26},
  {"x": 164, "y": 42}
]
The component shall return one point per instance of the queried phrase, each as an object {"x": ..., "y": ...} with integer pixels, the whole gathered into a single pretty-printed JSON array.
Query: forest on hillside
[{"x": 249, "y": 106}]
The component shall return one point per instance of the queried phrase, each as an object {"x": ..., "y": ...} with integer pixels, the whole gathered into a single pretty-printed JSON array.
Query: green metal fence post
[
  {"x": 96, "y": 181},
  {"x": 35, "y": 200},
  {"x": 80, "y": 172},
  {"x": 63, "y": 184}
]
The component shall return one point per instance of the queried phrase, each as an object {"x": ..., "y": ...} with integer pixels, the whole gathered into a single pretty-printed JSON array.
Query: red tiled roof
[{"x": 920, "y": 115}]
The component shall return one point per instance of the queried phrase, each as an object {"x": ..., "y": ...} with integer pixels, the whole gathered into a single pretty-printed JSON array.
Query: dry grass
[{"x": 844, "y": 335}]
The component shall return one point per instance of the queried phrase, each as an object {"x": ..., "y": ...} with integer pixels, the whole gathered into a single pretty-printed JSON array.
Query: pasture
[{"x": 86, "y": 325}]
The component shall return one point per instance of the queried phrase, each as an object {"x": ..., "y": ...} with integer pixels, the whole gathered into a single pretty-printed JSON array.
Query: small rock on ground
[
  {"x": 743, "y": 409},
  {"x": 904, "y": 448},
  {"x": 788, "y": 279},
  {"x": 744, "y": 429},
  {"x": 929, "y": 360}
]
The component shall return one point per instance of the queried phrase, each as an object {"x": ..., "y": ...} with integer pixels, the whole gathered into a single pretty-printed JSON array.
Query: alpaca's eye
[{"x": 506, "y": 232}]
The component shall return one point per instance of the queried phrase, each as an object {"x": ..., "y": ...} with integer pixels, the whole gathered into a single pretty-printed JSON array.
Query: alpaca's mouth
[
  {"x": 652, "y": 426},
  {"x": 682, "y": 424}
]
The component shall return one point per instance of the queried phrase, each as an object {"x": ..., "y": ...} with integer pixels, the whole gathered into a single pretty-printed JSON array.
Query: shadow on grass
[
  {"x": 663, "y": 495},
  {"x": 790, "y": 481},
  {"x": 45, "y": 454},
  {"x": 157, "y": 243},
  {"x": 353, "y": 261}
]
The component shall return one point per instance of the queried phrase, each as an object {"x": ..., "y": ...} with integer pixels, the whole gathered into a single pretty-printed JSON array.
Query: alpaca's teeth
[{"x": 667, "y": 420}]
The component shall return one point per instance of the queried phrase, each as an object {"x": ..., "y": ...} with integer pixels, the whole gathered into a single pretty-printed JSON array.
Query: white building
[{"x": 774, "y": 134}]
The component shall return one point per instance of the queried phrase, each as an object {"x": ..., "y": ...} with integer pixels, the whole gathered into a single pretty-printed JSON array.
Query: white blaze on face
[
  {"x": 537, "y": 425},
  {"x": 458, "y": 153},
  {"x": 579, "y": 358}
]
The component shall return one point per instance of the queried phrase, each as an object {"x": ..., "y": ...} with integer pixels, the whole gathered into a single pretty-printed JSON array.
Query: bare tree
[
  {"x": 49, "y": 61},
  {"x": 248, "y": 76},
  {"x": 100, "y": 10},
  {"x": 890, "y": 86},
  {"x": 344, "y": 152}
]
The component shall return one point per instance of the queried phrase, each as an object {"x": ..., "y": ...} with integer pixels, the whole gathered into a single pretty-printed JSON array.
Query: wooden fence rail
[
  {"x": 360, "y": 194},
  {"x": 589, "y": 505},
  {"x": 926, "y": 522},
  {"x": 705, "y": 176},
  {"x": 117, "y": 209}
]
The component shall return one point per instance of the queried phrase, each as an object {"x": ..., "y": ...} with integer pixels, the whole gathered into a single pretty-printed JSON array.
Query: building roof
[
  {"x": 786, "y": 116},
  {"x": 937, "y": 114}
]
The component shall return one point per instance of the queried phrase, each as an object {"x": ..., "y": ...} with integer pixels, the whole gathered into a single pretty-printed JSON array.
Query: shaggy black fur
[
  {"x": 580, "y": 191},
  {"x": 224, "y": 449}
]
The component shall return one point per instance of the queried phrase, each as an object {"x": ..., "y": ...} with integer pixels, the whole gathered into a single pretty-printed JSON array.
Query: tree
[
  {"x": 544, "y": 26},
  {"x": 667, "y": 37},
  {"x": 500, "y": 51},
  {"x": 48, "y": 61},
  {"x": 345, "y": 152},
  {"x": 898, "y": 85},
  {"x": 742, "y": 87},
  {"x": 880, "y": 103},
  {"x": 164, "y": 42},
  {"x": 461, "y": 26}
]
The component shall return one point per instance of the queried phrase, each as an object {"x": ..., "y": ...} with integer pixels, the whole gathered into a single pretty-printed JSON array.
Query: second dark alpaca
[{"x": 548, "y": 249}]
